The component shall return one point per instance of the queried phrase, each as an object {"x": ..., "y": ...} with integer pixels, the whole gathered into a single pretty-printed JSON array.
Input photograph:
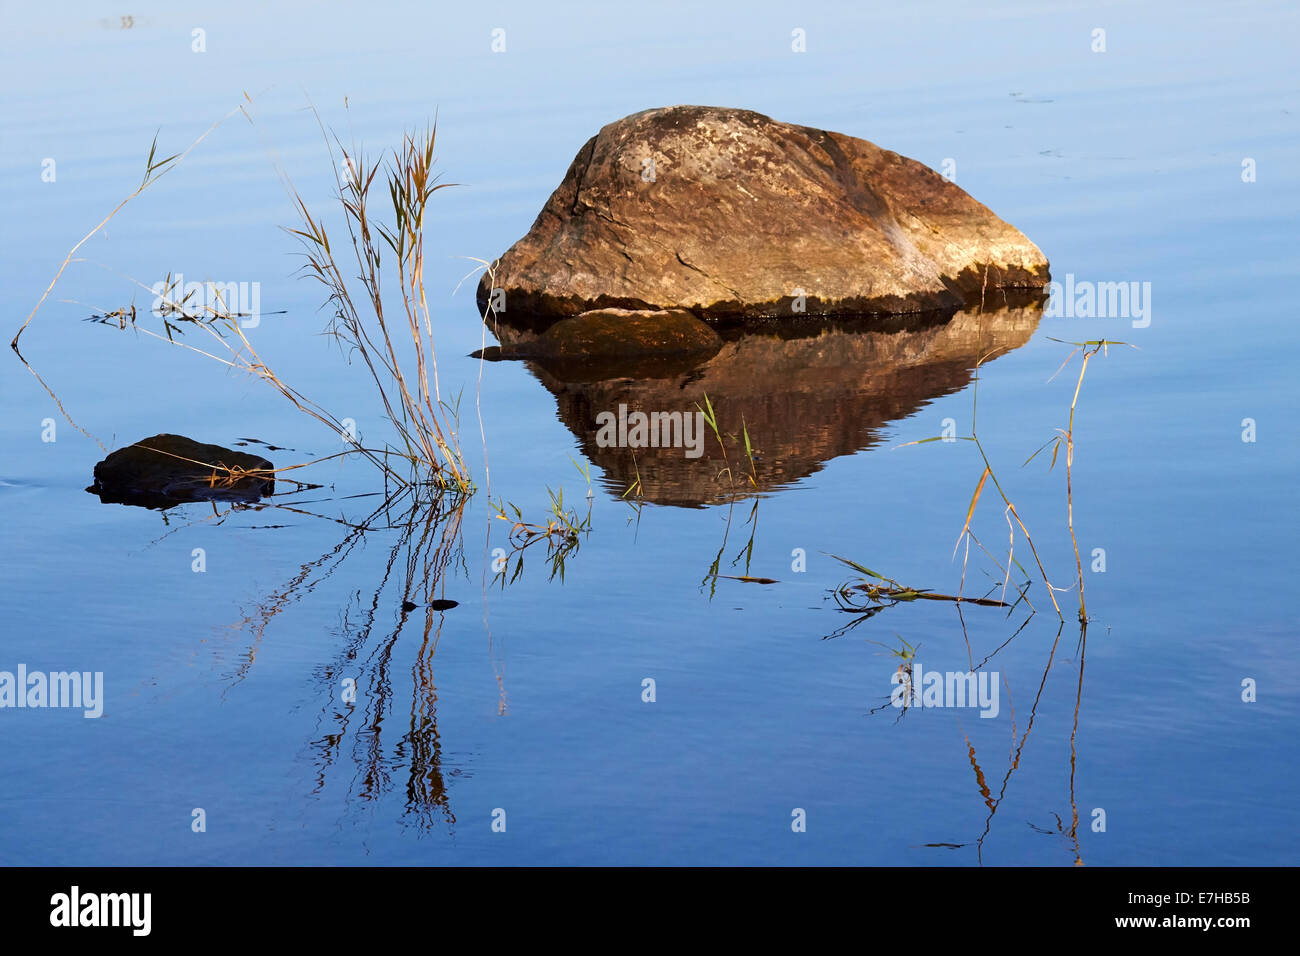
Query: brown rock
[
  {"x": 596, "y": 344},
  {"x": 738, "y": 213}
]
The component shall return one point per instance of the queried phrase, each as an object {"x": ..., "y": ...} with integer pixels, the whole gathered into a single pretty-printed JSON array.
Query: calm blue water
[{"x": 222, "y": 688}]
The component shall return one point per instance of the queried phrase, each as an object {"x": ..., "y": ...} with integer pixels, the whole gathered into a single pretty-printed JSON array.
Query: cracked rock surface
[{"x": 733, "y": 215}]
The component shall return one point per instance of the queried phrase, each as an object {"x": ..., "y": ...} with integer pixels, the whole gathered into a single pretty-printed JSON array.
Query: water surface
[{"x": 223, "y": 688}]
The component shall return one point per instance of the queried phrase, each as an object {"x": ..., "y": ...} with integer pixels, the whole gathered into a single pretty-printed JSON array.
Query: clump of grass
[
  {"x": 904, "y": 676},
  {"x": 711, "y": 419},
  {"x": 1065, "y": 437},
  {"x": 562, "y": 532},
  {"x": 1010, "y": 513},
  {"x": 874, "y": 592},
  {"x": 410, "y": 394},
  {"x": 427, "y": 450},
  {"x": 634, "y": 494},
  {"x": 747, "y": 552}
]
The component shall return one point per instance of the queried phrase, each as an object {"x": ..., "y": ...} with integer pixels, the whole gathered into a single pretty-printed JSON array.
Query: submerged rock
[
  {"x": 731, "y": 214},
  {"x": 166, "y": 470},
  {"x": 595, "y": 344}
]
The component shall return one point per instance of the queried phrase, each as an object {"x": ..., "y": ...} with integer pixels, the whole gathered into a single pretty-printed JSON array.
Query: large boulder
[
  {"x": 733, "y": 215},
  {"x": 167, "y": 470}
]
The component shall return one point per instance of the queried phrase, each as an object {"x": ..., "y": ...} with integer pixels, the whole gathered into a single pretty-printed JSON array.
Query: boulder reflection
[{"x": 806, "y": 392}]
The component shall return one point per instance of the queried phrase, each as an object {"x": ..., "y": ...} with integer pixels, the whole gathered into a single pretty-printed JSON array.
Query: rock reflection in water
[{"x": 807, "y": 393}]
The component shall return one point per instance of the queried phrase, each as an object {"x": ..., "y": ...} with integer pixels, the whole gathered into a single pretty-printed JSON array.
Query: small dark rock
[
  {"x": 167, "y": 470},
  {"x": 439, "y": 605}
]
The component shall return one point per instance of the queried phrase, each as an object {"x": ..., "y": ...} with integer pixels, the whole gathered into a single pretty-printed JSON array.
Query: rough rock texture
[
  {"x": 593, "y": 345},
  {"x": 739, "y": 212},
  {"x": 166, "y": 470},
  {"x": 804, "y": 398}
]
